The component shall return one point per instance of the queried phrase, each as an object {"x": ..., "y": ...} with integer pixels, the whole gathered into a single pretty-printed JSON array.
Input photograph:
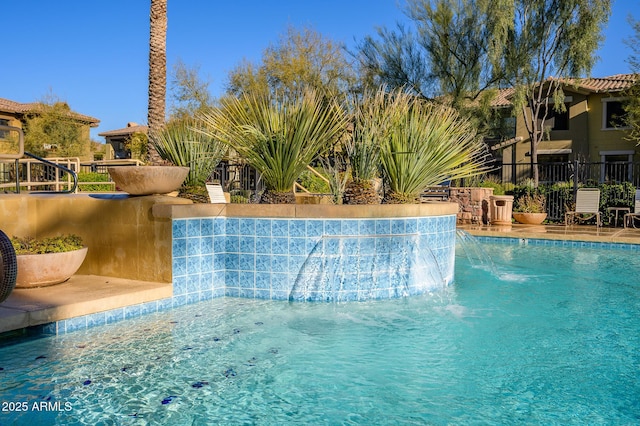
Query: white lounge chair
[
  {"x": 630, "y": 218},
  {"x": 587, "y": 207}
]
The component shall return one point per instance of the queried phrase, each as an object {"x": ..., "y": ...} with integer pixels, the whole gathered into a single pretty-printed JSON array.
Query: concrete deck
[
  {"x": 88, "y": 294},
  {"x": 80, "y": 295}
]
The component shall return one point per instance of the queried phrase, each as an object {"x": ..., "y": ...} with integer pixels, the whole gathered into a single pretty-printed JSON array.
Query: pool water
[{"x": 551, "y": 336}]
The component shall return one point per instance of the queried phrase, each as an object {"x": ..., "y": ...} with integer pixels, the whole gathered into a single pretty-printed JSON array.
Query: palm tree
[{"x": 157, "y": 73}]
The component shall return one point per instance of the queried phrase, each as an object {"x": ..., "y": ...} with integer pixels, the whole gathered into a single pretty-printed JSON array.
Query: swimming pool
[{"x": 551, "y": 337}]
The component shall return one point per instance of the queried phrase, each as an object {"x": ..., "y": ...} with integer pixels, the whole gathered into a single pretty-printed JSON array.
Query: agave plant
[
  {"x": 279, "y": 137},
  {"x": 427, "y": 144},
  {"x": 182, "y": 143}
]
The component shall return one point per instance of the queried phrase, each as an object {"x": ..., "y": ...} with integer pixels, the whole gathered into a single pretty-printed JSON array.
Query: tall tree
[
  {"x": 51, "y": 130},
  {"x": 189, "y": 92},
  {"x": 300, "y": 58},
  {"x": 157, "y": 73},
  {"x": 550, "y": 42},
  {"x": 454, "y": 52},
  {"x": 632, "y": 107}
]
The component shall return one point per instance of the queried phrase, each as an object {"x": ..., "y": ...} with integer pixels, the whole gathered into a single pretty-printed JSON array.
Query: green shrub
[
  {"x": 94, "y": 177},
  {"x": 63, "y": 243},
  {"x": 313, "y": 183}
]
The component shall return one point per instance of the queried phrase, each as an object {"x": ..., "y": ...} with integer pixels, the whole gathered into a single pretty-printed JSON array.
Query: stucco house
[
  {"x": 118, "y": 138},
  {"x": 590, "y": 130},
  {"x": 14, "y": 114}
]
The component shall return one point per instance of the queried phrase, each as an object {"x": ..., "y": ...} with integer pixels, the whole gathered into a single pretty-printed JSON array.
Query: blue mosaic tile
[
  {"x": 180, "y": 300},
  {"x": 312, "y": 243},
  {"x": 206, "y": 281},
  {"x": 179, "y": 247},
  {"x": 263, "y": 294},
  {"x": 219, "y": 261},
  {"x": 350, "y": 227},
  {"x": 263, "y": 262},
  {"x": 193, "y": 265},
  {"x": 99, "y": 318},
  {"x": 193, "y": 298},
  {"x": 193, "y": 246},
  {"x": 193, "y": 228},
  {"x": 247, "y": 244},
  {"x": 315, "y": 228},
  {"x": 179, "y": 285},
  {"x": 206, "y": 245},
  {"x": 50, "y": 328},
  {"x": 232, "y": 226},
  {"x": 219, "y": 277},
  {"x": 332, "y": 227},
  {"x": 366, "y": 227},
  {"x": 367, "y": 245},
  {"x": 207, "y": 263},
  {"x": 219, "y": 225},
  {"x": 164, "y": 304},
  {"x": 297, "y": 246},
  {"x": 383, "y": 227},
  {"x": 383, "y": 244},
  {"x": 131, "y": 311},
  {"x": 280, "y": 228},
  {"x": 263, "y": 281},
  {"x": 232, "y": 244},
  {"x": 247, "y": 279},
  {"x": 232, "y": 262},
  {"x": 193, "y": 283},
  {"x": 149, "y": 307},
  {"x": 206, "y": 227},
  {"x": 115, "y": 315},
  {"x": 179, "y": 228},
  {"x": 331, "y": 246},
  {"x": 280, "y": 294},
  {"x": 398, "y": 226},
  {"x": 247, "y": 226},
  {"x": 263, "y": 227},
  {"x": 206, "y": 295},
  {"x": 232, "y": 279},
  {"x": 297, "y": 228},
  {"x": 279, "y": 263},
  {"x": 263, "y": 245},
  {"x": 73, "y": 324},
  {"x": 411, "y": 226},
  {"x": 280, "y": 282},
  {"x": 232, "y": 292},
  {"x": 220, "y": 244},
  {"x": 247, "y": 292},
  {"x": 247, "y": 262},
  {"x": 179, "y": 266},
  {"x": 280, "y": 245},
  {"x": 295, "y": 263}
]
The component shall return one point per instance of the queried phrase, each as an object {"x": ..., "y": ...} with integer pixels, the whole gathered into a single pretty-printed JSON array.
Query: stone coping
[{"x": 300, "y": 211}]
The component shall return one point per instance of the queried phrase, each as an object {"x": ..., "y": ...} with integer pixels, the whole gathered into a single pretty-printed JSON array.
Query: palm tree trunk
[{"x": 157, "y": 73}]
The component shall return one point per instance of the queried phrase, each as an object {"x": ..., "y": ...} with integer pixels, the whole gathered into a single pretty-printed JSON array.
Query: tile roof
[
  {"x": 7, "y": 105},
  {"x": 614, "y": 83},
  {"x": 129, "y": 130}
]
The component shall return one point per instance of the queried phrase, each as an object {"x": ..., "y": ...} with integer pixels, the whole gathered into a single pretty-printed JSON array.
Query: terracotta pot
[
  {"x": 530, "y": 218},
  {"x": 148, "y": 180},
  {"x": 42, "y": 270}
]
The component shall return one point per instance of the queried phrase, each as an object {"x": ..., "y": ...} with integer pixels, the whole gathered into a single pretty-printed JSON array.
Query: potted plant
[
  {"x": 530, "y": 209},
  {"x": 47, "y": 261}
]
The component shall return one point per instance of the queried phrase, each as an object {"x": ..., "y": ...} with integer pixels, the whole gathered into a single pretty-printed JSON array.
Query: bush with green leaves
[
  {"x": 278, "y": 136},
  {"x": 30, "y": 245},
  {"x": 427, "y": 144},
  {"x": 184, "y": 143}
]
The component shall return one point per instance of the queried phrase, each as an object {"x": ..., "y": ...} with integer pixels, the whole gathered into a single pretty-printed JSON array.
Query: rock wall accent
[{"x": 473, "y": 204}]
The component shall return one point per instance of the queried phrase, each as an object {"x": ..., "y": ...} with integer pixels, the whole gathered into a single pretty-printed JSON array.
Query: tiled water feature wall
[{"x": 311, "y": 259}]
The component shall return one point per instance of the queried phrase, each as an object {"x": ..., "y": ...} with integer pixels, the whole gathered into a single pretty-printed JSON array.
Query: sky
[{"x": 94, "y": 54}]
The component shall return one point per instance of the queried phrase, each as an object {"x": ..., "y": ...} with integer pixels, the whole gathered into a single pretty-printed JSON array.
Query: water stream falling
[
  {"x": 350, "y": 268},
  {"x": 477, "y": 255}
]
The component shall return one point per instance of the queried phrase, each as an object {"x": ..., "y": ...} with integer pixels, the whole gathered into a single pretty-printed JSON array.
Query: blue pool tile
[
  {"x": 280, "y": 245},
  {"x": 313, "y": 244},
  {"x": 131, "y": 311},
  {"x": 206, "y": 281},
  {"x": 207, "y": 263},
  {"x": 295, "y": 263},
  {"x": 232, "y": 261},
  {"x": 193, "y": 283},
  {"x": 280, "y": 282},
  {"x": 179, "y": 228},
  {"x": 333, "y": 227},
  {"x": 263, "y": 281},
  {"x": 247, "y": 226},
  {"x": 193, "y": 228},
  {"x": 383, "y": 227},
  {"x": 315, "y": 228},
  {"x": 179, "y": 285},
  {"x": 279, "y": 263},
  {"x": 50, "y": 328},
  {"x": 232, "y": 292},
  {"x": 219, "y": 261},
  {"x": 411, "y": 226},
  {"x": 297, "y": 246},
  {"x": 74, "y": 324},
  {"x": 263, "y": 245},
  {"x": 350, "y": 227},
  {"x": 297, "y": 228},
  {"x": 165, "y": 304},
  {"x": 232, "y": 244},
  {"x": 398, "y": 226},
  {"x": 263, "y": 262},
  {"x": 367, "y": 245},
  {"x": 99, "y": 318},
  {"x": 115, "y": 315},
  {"x": 263, "y": 227},
  {"x": 247, "y": 244},
  {"x": 219, "y": 225},
  {"x": 280, "y": 228},
  {"x": 263, "y": 294},
  {"x": 280, "y": 294},
  {"x": 232, "y": 226},
  {"x": 149, "y": 307},
  {"x": 219, "y": 277},
  {"x": 247, "y": 279},
  {"x": 206, "y": 295},
  {"x": 366, "y": 227},
  {"x": 179, "y": 300},
  {"x": 194, "y": 264},
  {"x": 220, "y": 244},
  {"x": 193, "y": 246},
  {"x": 179, "y": 247},
  {"x": 193, "y": 298},
  {"x": 206, "y": 245},
  {"x": 332, "y": 246},
  {"x": 246, "y": 292},
  {"x": 232, "y": 279},
  {"x": 247, "y": 262},
  {"x": 206, "y": 227},
  {"x": 179, "y": 266}
]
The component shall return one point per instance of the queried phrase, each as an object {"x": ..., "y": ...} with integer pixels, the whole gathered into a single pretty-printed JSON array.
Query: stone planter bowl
[
  {"x": 148, "y": 180},
  {"x": 42, "y": 270},
  {"x": 530, "y": 218}
]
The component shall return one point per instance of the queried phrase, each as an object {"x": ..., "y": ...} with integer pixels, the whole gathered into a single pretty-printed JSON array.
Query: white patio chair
[
  {"x": 630, "y": 218},
  {"x": 587, "y": 207}
]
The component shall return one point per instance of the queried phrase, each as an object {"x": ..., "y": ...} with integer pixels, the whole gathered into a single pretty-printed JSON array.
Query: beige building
[
  {"x": 118, "y": 138},
  {"x": 590, "y": 130},
  {"x": 14, "y": 114}
]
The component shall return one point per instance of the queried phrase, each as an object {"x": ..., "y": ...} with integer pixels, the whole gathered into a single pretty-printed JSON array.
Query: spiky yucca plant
[
  {"x": 427, "y": 144},
  {"x": 370, "y": 125},
  {"x": 278, "y": 136},
  {"x": 183, "y": 143}
]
